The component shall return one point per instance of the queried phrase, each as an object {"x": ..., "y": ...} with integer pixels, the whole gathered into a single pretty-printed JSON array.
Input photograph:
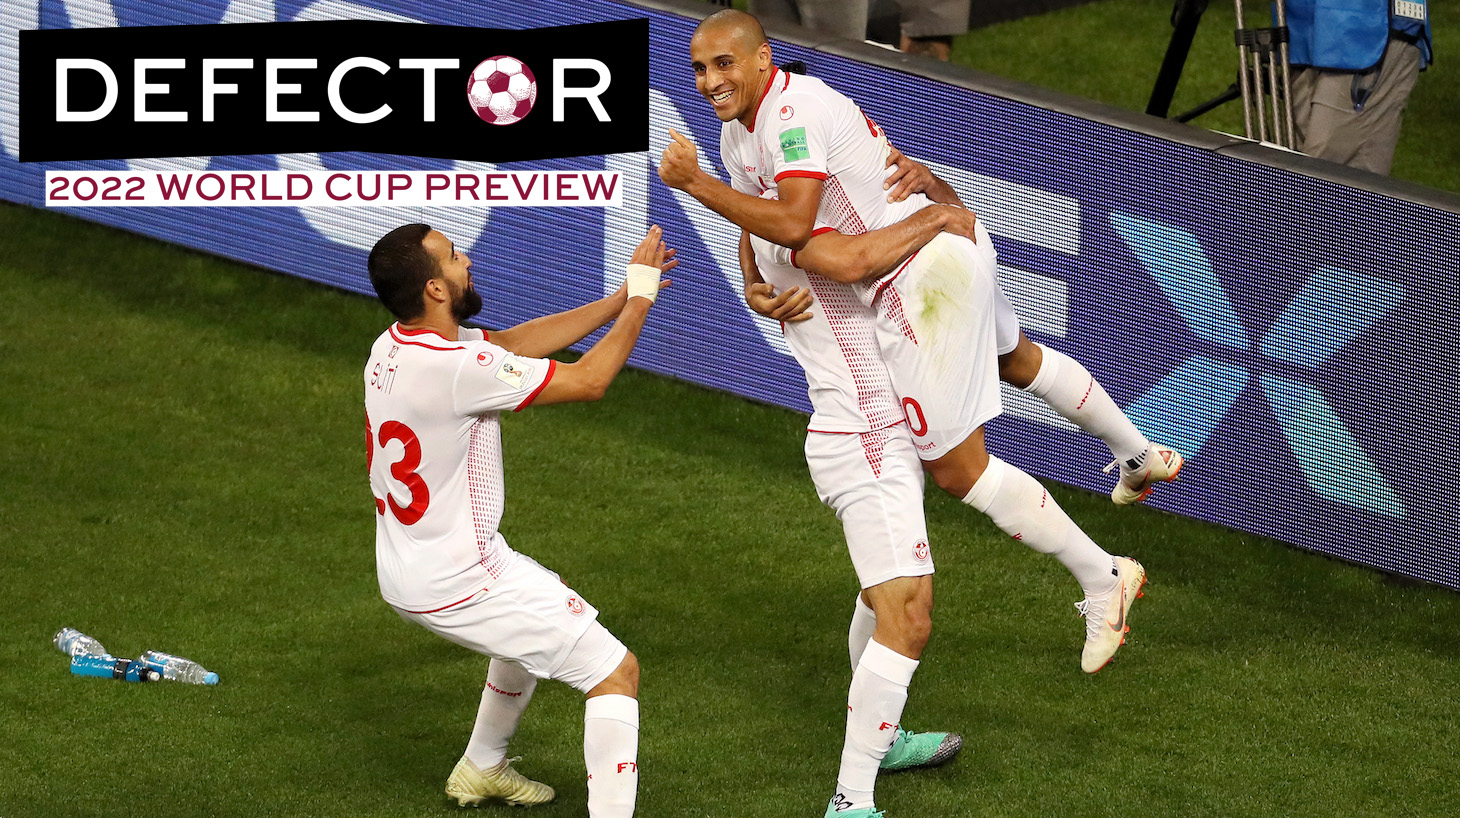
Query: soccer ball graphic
[{"x": 501, "y": 90}]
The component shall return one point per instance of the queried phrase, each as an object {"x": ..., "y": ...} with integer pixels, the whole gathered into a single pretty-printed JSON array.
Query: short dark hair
[
  {"x": 742, "y": 22},
  {"x": 399, "y": 269}
]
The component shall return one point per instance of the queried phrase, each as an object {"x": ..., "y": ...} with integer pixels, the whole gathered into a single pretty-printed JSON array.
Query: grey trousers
[
  {"x": 934, "y": 18},
  {"x": 1327, "y": 124},
  {"x": 843, "y": 19}
]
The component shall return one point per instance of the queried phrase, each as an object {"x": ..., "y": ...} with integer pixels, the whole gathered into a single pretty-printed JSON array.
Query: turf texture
[{"x": 183, "y": 470}]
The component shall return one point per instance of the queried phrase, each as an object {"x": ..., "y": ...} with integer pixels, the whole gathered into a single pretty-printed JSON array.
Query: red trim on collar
[
  {"x": 421, "y": 331},
  {"x": 396, "y": 331},
  {"x": 763, "y": 91}
]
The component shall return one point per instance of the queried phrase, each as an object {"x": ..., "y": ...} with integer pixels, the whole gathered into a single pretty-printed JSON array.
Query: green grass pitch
[{"x": 183, "y": 469}]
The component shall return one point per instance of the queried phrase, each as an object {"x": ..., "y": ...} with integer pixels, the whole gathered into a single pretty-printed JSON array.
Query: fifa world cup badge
[{"x": 513, "y": 373}]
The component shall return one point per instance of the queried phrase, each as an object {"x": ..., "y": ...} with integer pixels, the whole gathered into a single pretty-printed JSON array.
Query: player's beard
[{"x": 464, "y": 302}]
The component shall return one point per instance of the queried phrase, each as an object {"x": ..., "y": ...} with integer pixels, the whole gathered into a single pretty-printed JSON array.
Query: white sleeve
[
  {"x": 738, "y": 178},
  {"x": 491, "y": 379},
  {"x": 767, "y": 254},
  {"x": 471, "y": 334},
  {"x": 803, "y": 137}
]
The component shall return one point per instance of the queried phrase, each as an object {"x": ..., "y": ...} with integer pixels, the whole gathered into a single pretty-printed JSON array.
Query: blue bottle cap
[{"x": 210, "y": 678}]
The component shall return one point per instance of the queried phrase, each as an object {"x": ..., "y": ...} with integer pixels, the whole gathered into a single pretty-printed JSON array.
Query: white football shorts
[
  {"x": 936, "y": 328},
  {"x": 1006, "y": 322},
  {"x": 874, "y": 483},
  {"x": 530, "y": 617}
]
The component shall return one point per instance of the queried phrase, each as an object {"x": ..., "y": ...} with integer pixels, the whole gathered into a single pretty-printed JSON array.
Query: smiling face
[{"x": 731, "y": 65}]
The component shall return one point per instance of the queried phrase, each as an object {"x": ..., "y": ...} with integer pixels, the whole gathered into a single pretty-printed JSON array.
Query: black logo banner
[{"x": 450, "y": 92}]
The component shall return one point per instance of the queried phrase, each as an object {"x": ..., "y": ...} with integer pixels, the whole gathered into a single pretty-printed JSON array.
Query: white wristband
[{"x": 643, "y": 281}]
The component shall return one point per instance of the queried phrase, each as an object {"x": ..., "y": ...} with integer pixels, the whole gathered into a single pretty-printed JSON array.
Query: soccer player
[
  {"x": 433, "y": 393},
  {"x": 865, "y": 466},
  {"x": 1059, "y": 380},
  {"x": 825, "y": 161}
]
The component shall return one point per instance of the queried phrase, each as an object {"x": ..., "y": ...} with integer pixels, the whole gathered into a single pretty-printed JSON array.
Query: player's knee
[
  {"x": 623, "y": 681},
  {"x": 917, "y": 624},
  {"x": 1020, "y": 367},
  {"x": 956, "y": 478},
  {"x": 908, "y": 615},
  {"x": 628, "y": 673},
  {"x": 957, "y": 471},
  {"x": 919, "y": 610}
]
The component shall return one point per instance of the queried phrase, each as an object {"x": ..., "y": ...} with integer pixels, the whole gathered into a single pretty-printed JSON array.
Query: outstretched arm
[
  {"x": 786, "y": 221},
  {"x": 850, "y": 259},
  {"x": 588, "y": 378},
  {"x": 543, "y": 336}
]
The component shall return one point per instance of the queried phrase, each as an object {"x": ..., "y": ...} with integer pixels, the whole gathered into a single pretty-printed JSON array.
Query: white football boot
[
  {"x": 1105, "y": 615},
  {"x": 472, "y": 787},
  {"x": 1162, "y": 464}
]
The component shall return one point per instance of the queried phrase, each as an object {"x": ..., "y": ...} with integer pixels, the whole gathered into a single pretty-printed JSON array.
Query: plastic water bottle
[
  {"x": 75, "y": 643},
  {"x": 177, "y": 669},
  {"x": 110, "y": 667}
]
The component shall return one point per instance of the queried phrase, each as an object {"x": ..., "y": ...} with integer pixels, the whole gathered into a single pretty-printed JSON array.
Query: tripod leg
[
  {"x": 1184, "y": 20},
  {"x": 1282, "y": 21},
  {"x": 1257, "y": 87},
  {"x": 1242, "y": 78},
  {"x": 1272, "y": 84},
  {"x": 1232, "y": 92}
]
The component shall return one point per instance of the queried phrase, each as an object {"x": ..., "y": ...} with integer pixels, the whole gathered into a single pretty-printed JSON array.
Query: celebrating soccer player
[
  {"x": 937, "y": 328},
  {"x": 433, "y": 393}
]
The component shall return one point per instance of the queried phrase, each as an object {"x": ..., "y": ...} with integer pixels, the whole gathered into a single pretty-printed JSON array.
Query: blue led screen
[{"x": 1292, "y": 336}]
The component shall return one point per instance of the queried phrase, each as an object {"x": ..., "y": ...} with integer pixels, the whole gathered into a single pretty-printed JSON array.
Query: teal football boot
[
  {"x": 912, "y": 750},
  {"x": 865, "y": 812}
]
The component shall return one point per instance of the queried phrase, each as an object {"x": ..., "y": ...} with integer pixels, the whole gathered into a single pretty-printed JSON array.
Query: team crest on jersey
[
  {"x": 920, "y": 551},
  {"x": 575, "y": 606},
  {"x": 485, "y": 358},
  {"x": 513, "y": 373},
  {"x": 787, "y": 112}
]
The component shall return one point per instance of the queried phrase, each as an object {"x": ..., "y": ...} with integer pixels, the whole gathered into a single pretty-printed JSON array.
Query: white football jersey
[
  {"x": 848, "y": 384},
  {"x": 435, "y": 460},
  {"x": 804, "y": 128}
]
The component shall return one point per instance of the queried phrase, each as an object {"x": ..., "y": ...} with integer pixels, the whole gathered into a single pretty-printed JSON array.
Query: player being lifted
[
  {"x": 826, "y": 160},
  {"x": 433, "y": 393}
]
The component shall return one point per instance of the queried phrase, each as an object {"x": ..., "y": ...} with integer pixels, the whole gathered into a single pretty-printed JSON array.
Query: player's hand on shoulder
[
  {"x": 906, "y": 177},
  {"x": 791, "y": 305},
  {"x": 651, "y": 259},
  {"x": 680, "y": 162},
  {"x": 959, "y": 221}
]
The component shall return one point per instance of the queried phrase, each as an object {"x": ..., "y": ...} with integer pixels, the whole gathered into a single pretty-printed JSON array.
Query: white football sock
[
  {"x": 874, "y": 707},
  {"x": 864, "y": 622},
  {"x": 1025, "y": 511},
  {"x": 504, "y": 698},
  {"x": 1068, "y": 387},
  {"x": 611, "y": 752}
]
